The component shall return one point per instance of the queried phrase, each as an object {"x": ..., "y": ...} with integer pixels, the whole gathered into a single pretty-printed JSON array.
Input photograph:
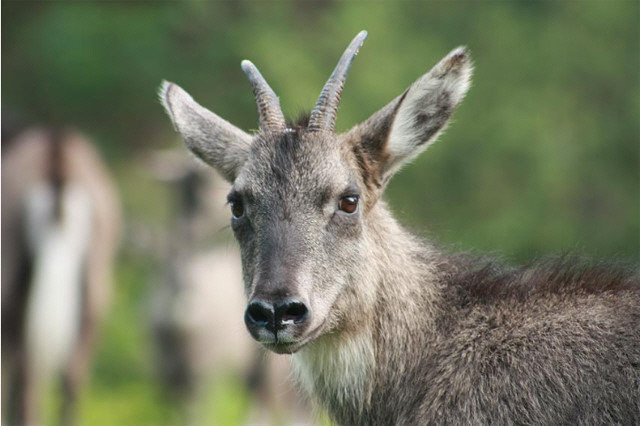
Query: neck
[{"x": 395, "y": 286}]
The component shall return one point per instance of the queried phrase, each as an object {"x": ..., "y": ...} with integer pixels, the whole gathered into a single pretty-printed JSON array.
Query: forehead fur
[{"x": 297, "y": 162}]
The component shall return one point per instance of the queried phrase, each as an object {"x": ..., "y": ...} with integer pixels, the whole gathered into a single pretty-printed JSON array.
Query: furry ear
[
  {"x": 212, "y": 139},
  {"x": 411, "y": 122}
]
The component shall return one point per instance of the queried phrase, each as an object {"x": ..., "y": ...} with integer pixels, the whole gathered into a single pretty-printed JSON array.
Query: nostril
[
  {"x": 294, "y": 311},
  {"x": 260, "y": 313},
  {"x": 291, "y": 312}
]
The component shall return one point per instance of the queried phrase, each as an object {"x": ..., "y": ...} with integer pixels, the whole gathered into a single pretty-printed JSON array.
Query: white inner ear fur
[{"x": 433, "y": 96}]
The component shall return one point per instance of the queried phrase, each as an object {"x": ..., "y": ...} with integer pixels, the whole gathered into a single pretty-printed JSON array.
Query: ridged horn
[
  {"x": 323, "y": 116},
  {"x": 271, "y": 117}
]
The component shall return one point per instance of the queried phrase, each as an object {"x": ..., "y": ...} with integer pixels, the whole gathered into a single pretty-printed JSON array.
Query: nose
[
  {"x": 291, "y": 312},
  {"x": 273, "y": 317},
  {"x": 260, "y": 314}
]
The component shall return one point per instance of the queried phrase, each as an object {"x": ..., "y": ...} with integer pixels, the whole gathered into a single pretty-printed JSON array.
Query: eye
[
  {"x": 237, "y": 209},
  {"x": 348, "y": 204}
]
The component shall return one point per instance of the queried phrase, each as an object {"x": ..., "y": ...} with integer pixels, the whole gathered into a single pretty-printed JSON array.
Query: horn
[
  {"x": 271, "y": 117},
  {"x": 323, "y": 116}
]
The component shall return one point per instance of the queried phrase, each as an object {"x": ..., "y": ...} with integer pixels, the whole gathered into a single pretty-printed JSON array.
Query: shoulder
[{"x": 479, "y": 281}]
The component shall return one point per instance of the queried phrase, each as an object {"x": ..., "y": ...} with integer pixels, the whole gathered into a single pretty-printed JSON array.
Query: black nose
[
  {"x": 287, "y": 312},
  {"x": 260, "y": 314},
  {"x": 291, "y": 312}
]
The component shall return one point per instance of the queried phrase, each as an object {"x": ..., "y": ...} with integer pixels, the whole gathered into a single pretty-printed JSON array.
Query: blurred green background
[{"x": 542, "y": 157}]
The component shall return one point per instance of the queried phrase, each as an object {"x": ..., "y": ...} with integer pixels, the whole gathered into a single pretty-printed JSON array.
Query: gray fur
[
  {"x": 399, "y": 332},
  {"x": 212, "y": 139}
]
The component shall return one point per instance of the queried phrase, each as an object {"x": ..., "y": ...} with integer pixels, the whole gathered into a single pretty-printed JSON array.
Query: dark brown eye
[
  {"x": 237, "y": 209},
  {"x": 348, "y": 204}
]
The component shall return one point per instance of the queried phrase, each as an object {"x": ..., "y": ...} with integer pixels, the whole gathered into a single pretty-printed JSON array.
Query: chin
[{"x": 284, "y": 348}]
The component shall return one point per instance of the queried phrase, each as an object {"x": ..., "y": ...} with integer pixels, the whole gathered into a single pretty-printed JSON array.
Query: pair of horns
[{"x": 323, "y": 116}]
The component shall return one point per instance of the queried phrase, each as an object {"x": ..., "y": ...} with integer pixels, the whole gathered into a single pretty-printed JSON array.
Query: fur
[
  {"x": 343, "y": 365},
  {"x": 426, "y": 108},
  {"x": 61, "y": 213},
  {"x": 399, "y": 332},
  {"x": 207, "y": 135},
  {"x": 59, "y": 249}
]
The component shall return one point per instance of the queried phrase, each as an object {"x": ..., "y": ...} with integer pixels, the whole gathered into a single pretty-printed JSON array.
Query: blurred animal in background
[
  {"x": 60, "y": 231},
  {"x": 198, "y": 303}
]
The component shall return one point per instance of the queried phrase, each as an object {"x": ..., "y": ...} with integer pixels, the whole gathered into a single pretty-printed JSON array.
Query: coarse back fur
[
  {"x": 385, "y": 328},
  {"x": 556, "y": 343}
]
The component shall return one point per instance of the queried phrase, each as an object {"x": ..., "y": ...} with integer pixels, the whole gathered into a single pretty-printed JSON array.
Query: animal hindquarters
[
  {"x": 58, "y": 243},
  {"x": 60, "y": 228}
]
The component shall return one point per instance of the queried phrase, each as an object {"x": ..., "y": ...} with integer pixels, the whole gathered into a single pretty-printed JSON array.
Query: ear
[
  {"x": 411, "y": 122},
  {"x": 212, "y": 139}
]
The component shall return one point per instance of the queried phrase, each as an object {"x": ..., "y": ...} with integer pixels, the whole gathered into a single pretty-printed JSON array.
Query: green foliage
[{"x": 542, "y": 157}]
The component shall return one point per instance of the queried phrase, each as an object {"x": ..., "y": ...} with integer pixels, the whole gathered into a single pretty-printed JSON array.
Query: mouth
[{"x": 290, "y": 347}]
